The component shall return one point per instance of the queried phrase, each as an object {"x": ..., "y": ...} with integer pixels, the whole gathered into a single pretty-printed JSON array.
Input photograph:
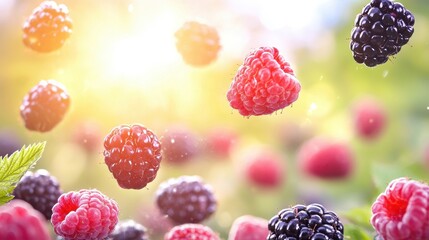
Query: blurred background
[{"x": 120, "y": 66}]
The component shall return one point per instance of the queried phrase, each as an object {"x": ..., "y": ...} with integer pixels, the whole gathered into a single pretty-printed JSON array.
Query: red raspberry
[
  {"x": 220, "y": 142},
  {"x": 369, "y": 118},
  {"x": 249, "y": 228},
  {"x": 86, "y": 214},
  {"x": 402, "y": 211},
  {"x": 326, "y": 159},
  {"x": 19, "y": 221},
  {"x": 88, "y": 136},
  {"x": 191, "y": 231},
  {"x": 264, "y": 84},
  {"x": 179, "y": 145},
  {"x": 45, "y": 106},
  {"x": 264, "y": 168},
  {"x": 197, "y": 43},
  {"x": 133, "y": 155},
  {"x": 48, "y": 27}
]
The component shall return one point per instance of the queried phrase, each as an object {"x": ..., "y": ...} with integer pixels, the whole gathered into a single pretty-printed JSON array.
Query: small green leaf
[
  {"x": 13, "y": 167},
  {"x": 353, "y": 232},
  {"x": 359, "y": 216}
]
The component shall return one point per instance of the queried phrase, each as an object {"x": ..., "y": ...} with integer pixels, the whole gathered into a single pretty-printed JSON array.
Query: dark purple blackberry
[
  {"x": 39, "y": 189},
  {"x": 380, "y": 31},
  {"x": 128, "y": 230},
  {"x": 312, "y": 222},
  {"x": 186, "y": 199}
]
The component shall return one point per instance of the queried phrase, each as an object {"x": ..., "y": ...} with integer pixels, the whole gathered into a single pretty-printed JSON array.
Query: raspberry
[
  {"x": 179, "y": 145},
  {"x": 133, "y": 155},
  {"x": 220, "y": 142},
  {"x": 305, "y": 222},
  {"x": 369, "y": 118},
  {"x": 19, "y": 221},
  {"x": 249, "y": 228},
  {"x": 264, "y": 84},
  {"x": 48, "y": 27},
  {"x": 88, "y": 136},
  {"x": 128, "y": 230},
  {"x": 402, "y": 211},
  {"x": 380, "y": 31},
  {"x": 39, "y": 189},
  {"x": 264, "y": 168},
  {"x": 186, "y": 199},
  {"x": 326, "y": 159},
  {"x": 86, "y": 214},
  {"x": 191, "y": 231},
  {"x": 9, "y": 142},
  {"x": 197, "y": 43},
  {"x": 151, "y": 217},
  {"x": 45, "y": 106}
]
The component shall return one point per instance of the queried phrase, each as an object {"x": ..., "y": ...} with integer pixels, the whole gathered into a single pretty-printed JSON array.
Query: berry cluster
[{"x": 380, "y": 31}]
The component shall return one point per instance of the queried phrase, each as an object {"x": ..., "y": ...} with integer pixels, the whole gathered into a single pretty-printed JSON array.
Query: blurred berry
[
  {"x": 249, "y": 228},
  {"x": 264, "y": 84},
  {"x": 156, "y": 222},
  {"x": 305, "y": 222},
  {"x": 86, "y": 214},
  {"x": 44, "y": 106},
  {"x": 380, "y": 30},
  {"x": 39, "y": 189},
  {"x": 264, "y": 168},
  {"x": 186, "y": 199},
  {"x": 197, "y": 43},
  {"x": 191, "y": 231},
  {"x": 19, "y": 221},
  {"x": 219, "y": 142},
  {"x": 133, "y": 154},
  {"x": 9, "y": 142},
  {"x": 292, "y": 135},
  {"x": 88, "y": 136},
  {"x": 128, "y": 230},
  {"x": 179, "y": 145},
  {"x": 48, "y": 27},
  {"x": 326, "y": 159},
  {"x": 369, "y": 118},
  {"x": 401, "y": 212}
]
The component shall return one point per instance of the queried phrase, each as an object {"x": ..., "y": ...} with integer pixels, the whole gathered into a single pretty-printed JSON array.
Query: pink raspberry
[
  {"x": 326, "y": 159},
  {"x": 86, "y": 214},
  {"x": 191, "y": 231},
  {"x": 220, "y": 142},
  {"x": 20, "y": 221},
  {"x": 401, "y": 212},
  {"x": 369, "y": 118},
  {"x": 249, "y": 228},
  {"x": 264, "y": 84},
  {"x": 264, "y": 168}
]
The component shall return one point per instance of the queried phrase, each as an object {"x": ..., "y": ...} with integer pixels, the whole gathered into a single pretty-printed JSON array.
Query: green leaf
[
  {"x": 353, "y": 232},
  {"x": 13, "y": 167},
  {"x": 359, "y": 216}
]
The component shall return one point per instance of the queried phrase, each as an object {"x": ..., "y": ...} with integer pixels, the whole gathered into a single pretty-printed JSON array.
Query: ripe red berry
[
  {"x": 249, "y": 228},
  {"x": 197, "y": 43},
  {"x": 133, "y": 155},
  {"x": 264, "y": 168},
  {"x": 401, "y": 212},
  {"x": 179, "y": 145},
  {"x": 86, "y": 214},
  {"x": 220, "y": 142},
  {"x": 326, "y": 159},
  {"x": 264, "y": 84},
  {"x": 45, "y": 106},
  {"x": 19, "y": 221},
  {"x": 48, "y": 27},
  {"x": 191, "y": 231},
  {"x": 369, "y": 118}
]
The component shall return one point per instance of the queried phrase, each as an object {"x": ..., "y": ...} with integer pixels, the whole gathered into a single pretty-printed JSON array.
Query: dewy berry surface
[
  {"x": 263, "y": 84},
  {"x": 401, "y": 212},
  {"x": 133, "y": 155},
  {"x": 48, "y": 27},
  {"x": 45, "y": 106},
  {"x": 191, "y": 231},
  {"x": 86, "y": 214}
]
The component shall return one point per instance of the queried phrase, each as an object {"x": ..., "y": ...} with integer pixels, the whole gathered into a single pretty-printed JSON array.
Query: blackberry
[
  {"x": 312, "y": 222},
  {"x": 186, "y": 199},
  {"x": 39, "y": 189},
  {"x": 380, "y": 31},
  {"x": 128, "y": 230}
]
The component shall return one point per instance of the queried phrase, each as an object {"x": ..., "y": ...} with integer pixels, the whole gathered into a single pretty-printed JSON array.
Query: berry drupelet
[
  {"x": 312, "y": 222},
  {"x": 380, "y": 31}
]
